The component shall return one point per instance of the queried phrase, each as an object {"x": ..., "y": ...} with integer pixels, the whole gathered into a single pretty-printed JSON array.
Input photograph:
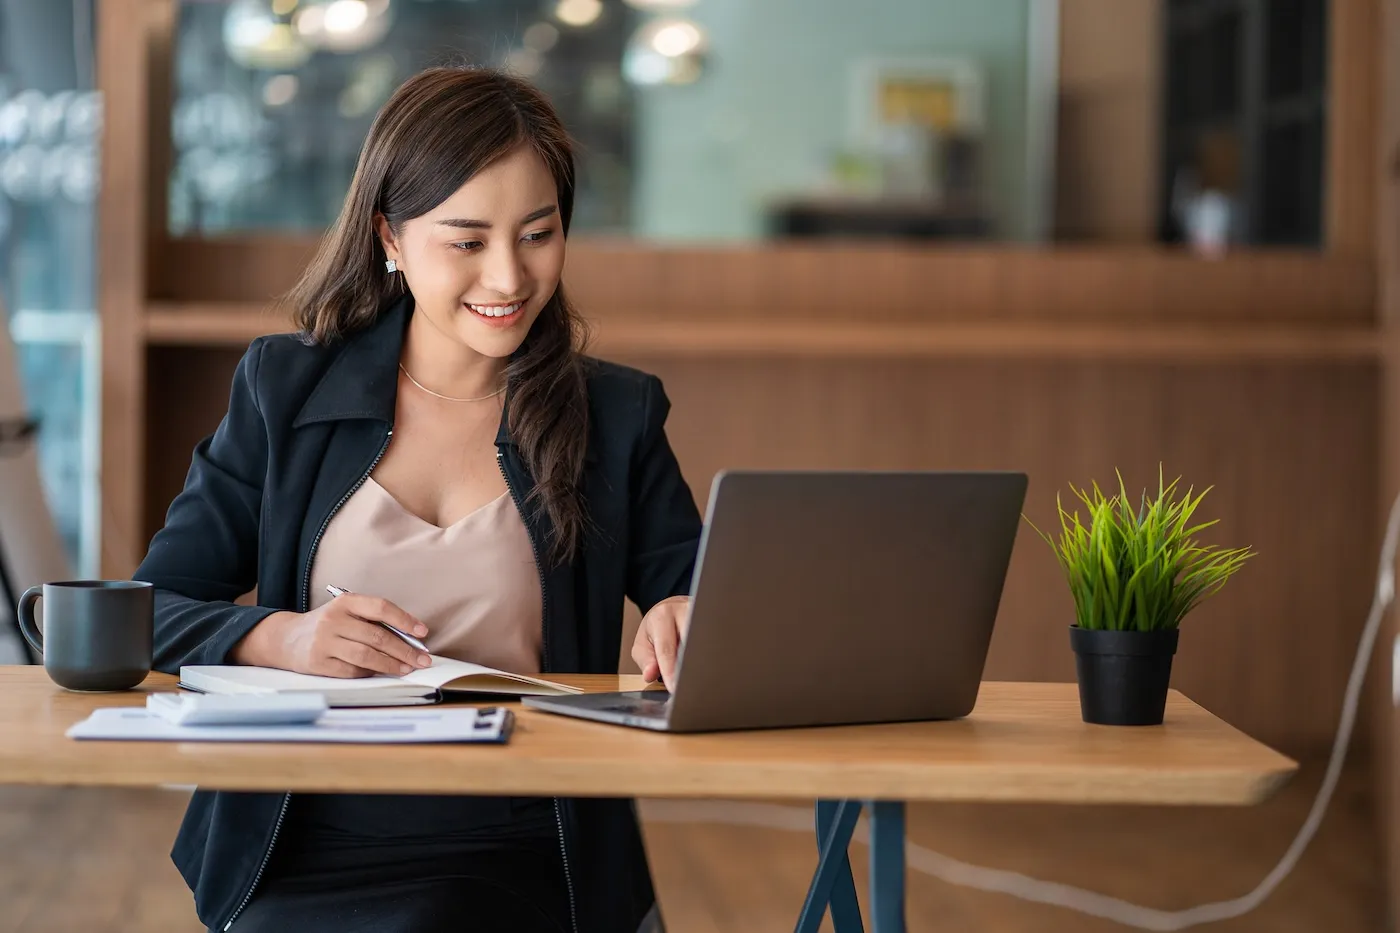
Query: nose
[{"x": 502, "y": 270}]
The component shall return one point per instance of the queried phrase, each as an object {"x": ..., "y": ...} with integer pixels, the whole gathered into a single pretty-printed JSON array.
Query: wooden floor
[{"x": 96, "y": 860}]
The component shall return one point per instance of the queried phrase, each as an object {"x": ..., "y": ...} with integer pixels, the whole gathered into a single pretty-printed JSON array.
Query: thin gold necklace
[{"x": 448, "y": 398}]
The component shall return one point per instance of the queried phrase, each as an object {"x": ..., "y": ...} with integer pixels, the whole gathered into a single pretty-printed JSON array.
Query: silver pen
[{"x": 337, "y": 591}]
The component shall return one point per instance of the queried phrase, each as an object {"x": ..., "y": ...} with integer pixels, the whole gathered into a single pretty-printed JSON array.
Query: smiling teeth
[{"x": 497, "y": 310}]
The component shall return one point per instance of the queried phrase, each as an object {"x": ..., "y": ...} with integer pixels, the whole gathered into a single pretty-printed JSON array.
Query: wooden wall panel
[
  {"x": 187, "y": 392},
  {"x": 1353, "y": 125},
  {"x": 1291, "y": 447},
  {"x": 1062, "y": 285},
  {"x": 230, "y": 268},
  {"x": 844, "y": 282},
  {"x": 122, "y": 289},
  {"x": 124, "y": 74}
]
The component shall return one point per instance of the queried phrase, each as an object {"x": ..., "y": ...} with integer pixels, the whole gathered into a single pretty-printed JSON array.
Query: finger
[
  {"x": 644, "y": 656},
  {"x": 334, "y": 667},
  {"x": 380, "y": 639},
  {"x": 378, "y": 609},
  {"x": 664, "y": 639},
  {"x": 367, "y": 657},
  {"x": 370, "y": 632}
]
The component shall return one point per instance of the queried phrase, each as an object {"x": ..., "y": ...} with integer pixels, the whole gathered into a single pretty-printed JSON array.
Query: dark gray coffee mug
[{"x": 97, "y": 633}]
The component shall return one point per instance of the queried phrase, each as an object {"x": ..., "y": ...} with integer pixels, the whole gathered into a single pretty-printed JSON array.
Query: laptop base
[{"x": 641, "y": 709}]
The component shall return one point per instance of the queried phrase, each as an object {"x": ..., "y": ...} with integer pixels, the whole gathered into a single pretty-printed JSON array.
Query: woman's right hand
[{"x": 337, "y": 639}]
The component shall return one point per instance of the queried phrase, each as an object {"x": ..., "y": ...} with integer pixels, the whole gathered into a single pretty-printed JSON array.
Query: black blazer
[{"x": 305, "y": 426}]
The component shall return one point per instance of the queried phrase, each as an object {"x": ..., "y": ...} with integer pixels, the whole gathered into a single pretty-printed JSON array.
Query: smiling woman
[
  {"x": 466, "y": 183},
  {"x": 434, "y": 443}
]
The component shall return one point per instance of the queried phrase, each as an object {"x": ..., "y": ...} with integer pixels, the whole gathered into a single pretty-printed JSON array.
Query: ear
[{"x": 386, "y": 236}]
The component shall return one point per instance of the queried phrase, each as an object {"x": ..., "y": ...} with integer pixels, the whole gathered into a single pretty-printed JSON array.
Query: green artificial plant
[{"x": 1139, "y": 569}]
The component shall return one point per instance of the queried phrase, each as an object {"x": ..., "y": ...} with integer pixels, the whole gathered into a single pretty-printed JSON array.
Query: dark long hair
[{"x": 440, "y": 128}]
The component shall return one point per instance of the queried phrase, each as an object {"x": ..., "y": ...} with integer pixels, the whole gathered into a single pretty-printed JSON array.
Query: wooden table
[{"x": 1023, "y": 742}]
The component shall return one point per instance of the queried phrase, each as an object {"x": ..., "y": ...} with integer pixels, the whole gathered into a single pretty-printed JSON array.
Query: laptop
[{"x": 832, "y": 598}]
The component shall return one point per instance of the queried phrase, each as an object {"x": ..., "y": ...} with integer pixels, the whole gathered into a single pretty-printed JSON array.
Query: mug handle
[{"x": 25, "y": 612}]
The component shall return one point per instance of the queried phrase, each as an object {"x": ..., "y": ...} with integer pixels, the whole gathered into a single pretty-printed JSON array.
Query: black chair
[{"x": 16, "y": 435}]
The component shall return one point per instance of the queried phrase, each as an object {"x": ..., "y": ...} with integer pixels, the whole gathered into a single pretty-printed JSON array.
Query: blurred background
[
  {"x": 1058, "y": 236},
  {"x": 1192, "y": 122}
]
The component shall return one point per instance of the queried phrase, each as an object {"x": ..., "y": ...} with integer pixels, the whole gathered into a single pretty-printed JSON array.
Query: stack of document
[{"x": 396, "y": 726}]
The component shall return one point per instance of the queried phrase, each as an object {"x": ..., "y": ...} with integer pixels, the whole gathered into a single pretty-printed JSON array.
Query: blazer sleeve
[
  {"x": 665, "y": 523},
  {"x": 206, "y": 555}
]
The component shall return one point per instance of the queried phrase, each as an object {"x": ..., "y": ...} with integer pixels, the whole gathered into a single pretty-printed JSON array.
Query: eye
[
  {"x": 539, "y": 236},
  {"x": 467, "y": 246}
]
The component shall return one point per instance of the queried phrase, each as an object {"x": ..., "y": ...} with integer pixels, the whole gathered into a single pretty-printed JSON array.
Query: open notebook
[{"x": 425, "y": 685}]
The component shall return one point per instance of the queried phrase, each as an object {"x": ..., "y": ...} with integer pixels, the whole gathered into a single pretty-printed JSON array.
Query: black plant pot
[{"x": 1123, "y": 676}]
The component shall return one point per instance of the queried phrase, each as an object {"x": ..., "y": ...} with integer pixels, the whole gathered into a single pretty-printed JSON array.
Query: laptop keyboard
[{"x": 653, "y": 703}]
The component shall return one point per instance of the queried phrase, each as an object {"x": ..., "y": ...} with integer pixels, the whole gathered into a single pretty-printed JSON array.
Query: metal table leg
[
  {"x": 845, "y": 908},
  {"x": 887, "y": 866},
  {"x": 836, "y": 821},
  {"x": 832, "y": 884}
]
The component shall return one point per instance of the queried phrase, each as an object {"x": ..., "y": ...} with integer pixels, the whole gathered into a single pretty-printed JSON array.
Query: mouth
[{"x": 498, "y": 315}]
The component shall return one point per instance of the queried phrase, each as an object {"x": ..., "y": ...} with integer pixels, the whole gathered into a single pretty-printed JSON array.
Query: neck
[{"x": 445, "y": 365}]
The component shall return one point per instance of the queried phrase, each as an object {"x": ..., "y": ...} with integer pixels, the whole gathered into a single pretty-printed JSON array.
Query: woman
[{"x": 433, "y": 442}]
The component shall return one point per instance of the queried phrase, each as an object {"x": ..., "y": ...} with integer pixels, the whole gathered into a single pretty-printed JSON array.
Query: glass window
[
  {"x": 696, "y": 119},
  {"x": 275, "y": 97},
  {"x": 740, "y": 120},
  {"x": 50, "y": 123}
]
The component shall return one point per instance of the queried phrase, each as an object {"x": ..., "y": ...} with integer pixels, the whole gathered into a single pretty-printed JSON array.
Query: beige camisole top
[{"x": 474, "y": 584}]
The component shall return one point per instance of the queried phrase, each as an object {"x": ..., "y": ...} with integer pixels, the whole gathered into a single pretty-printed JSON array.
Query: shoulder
[
  {"x": 279, "y": 369},
  {"x": 622, "y": 393},
  {"x": 612, "y": 385},
  {"x": 291, "y": 352},
  {"x": 624, "y": 404}
]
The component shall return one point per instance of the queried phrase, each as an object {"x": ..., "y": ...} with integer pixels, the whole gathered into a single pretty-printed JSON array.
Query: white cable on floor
[{"x": 1026, "y": 888}]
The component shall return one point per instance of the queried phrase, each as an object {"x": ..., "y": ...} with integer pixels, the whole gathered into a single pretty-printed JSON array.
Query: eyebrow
[{"x": 469, "y": 224}]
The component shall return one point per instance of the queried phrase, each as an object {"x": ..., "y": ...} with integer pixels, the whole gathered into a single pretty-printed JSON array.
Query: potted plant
[{"x": 1135, "y": 572}]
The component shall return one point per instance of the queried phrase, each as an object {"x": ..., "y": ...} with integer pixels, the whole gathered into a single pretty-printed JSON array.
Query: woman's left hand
[{"x": 659, "y": 638}]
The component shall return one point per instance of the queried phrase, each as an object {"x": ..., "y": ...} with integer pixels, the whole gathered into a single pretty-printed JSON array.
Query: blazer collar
[{"x": 362, "y": 381}]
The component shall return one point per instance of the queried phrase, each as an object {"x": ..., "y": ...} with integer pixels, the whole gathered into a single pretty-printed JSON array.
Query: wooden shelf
[
  {"x": 235, "y": 325},
  {"x": 1005, "y": 339},
  {"x": 211, "y": 323}
]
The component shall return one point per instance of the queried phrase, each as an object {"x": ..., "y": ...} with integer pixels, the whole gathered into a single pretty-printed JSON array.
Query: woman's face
[{"x": 482, "y": 264}]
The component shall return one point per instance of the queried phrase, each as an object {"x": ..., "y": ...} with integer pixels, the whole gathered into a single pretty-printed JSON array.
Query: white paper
[
  {"x": 446, "y": 673},
  {"x": 440, "y": 724}
]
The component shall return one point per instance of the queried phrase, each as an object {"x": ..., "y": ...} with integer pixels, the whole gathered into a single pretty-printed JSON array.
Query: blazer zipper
[
  {"x": 544, "y": 645},
  {"x": 305, "y": 602}
]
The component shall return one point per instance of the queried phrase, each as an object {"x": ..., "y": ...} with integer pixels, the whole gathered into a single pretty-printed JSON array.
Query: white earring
[{"x": 391, "y": 265}]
